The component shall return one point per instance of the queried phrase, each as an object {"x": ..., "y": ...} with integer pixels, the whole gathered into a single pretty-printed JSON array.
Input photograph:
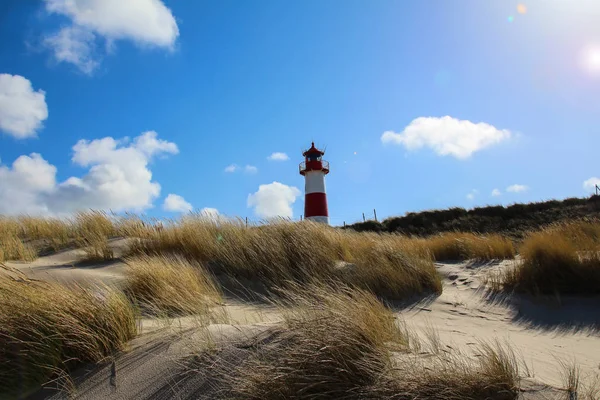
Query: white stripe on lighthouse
[
  {"x": 321, "y": 219},
  {"x": 315, "y": 182}
]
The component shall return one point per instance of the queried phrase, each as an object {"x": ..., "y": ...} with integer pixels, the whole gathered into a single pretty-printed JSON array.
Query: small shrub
[{"x": 515, "y": 220}]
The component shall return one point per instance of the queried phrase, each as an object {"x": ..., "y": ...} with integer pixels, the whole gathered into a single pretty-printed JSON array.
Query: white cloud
[
  {"x": 24, "y": 183},
  {"x": 74, "y": 45},
  {"x": 231, "y": 168},
  {"x": 118, "y": 178},
  {"x": 517, "y": 188},
  {"x": 496, "y": 193},
  {"x": 147, "y": 23},
  {"x": 176, "y": 203},
  {"x": 471, "y": 195},
  {"x": 447, "y": 136},
  {"x": 250, "y": 169},
  {"x": 211, "y": 213},
  {"x": 277, "y": 156},
  {"x": 22, "y": 109},
  {"x": 590, "y": 184},
  {"x": 273, "y": 200}
]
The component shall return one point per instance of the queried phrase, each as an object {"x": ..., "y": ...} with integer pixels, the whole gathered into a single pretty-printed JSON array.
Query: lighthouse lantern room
[{"x": 314, "y": 169}]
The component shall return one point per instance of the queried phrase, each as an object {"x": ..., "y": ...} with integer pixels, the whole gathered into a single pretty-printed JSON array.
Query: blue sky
[{"x": 125, "y": 103}]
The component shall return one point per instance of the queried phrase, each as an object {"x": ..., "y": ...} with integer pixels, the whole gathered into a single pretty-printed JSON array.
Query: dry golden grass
[
  {"x": 92, "y": 231},
  {"x": 563, "y": 259},
  {"x": 45, "y": 328},
  {"x": 340, "y": 342},
  {"x": 168, "y": 285},
  {"x": 21, "y": 238},
  {"x": 56, "y": 233},
  {"x": 282, "y": 253},
  {"x": 12, "y": 248},
  {"x": 492, "y": 374},
  {"x": 576, "y": 386},
  {"x": 468, "y": 246}
]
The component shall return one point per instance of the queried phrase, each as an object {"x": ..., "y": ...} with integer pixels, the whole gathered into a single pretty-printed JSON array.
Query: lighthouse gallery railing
[{"x": 324, "y": 165}]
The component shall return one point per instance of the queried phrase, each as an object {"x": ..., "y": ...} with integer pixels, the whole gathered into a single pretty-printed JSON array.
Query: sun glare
[{"x": 591, "y": 60}]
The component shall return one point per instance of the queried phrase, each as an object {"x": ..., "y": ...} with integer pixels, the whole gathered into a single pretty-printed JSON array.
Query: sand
[{"x": 157, "y": 363}]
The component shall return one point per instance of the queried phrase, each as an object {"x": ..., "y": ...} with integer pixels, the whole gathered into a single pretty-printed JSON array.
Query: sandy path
[{"x": 462, "y": 317}]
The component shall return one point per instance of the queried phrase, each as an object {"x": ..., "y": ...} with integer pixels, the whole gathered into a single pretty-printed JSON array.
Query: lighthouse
[{"x": 314, "y": 169}]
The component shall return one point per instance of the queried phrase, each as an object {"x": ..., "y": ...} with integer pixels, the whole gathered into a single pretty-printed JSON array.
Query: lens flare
[
  {"x": 522, "y": 9},
  {"x": 591, "y": 60},
  {"x": 511, "y": 18}
]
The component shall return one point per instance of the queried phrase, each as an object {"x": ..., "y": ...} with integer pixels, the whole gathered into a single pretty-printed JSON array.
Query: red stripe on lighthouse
[{"x": 315, "y": 205}]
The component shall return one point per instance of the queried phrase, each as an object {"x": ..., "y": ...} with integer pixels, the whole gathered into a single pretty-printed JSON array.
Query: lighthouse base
[{"x": 322, "y": 220}]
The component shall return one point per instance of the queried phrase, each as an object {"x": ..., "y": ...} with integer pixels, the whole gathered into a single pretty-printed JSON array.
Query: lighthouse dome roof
[{"x": 313, "y": 150}]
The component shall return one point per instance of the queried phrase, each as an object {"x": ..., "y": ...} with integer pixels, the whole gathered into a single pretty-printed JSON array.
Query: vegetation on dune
[
  {"x": 282, "y": 253},
  {"x": 170, "y": 286},
  {"x": 342, "y": 343},
  {"x": 46, "y": 328},
  {"x": 513, "y": 221},
  {"x": 562, "y": 259},
  {"x": 91, "y": 233},
  {"x": 467, "y": 246},
  {"x": 24, "y": 237},
  {"x": 12, "y": 248},
  {"x": 576, "y": 386},
  {"x": 337, "y": 339}
]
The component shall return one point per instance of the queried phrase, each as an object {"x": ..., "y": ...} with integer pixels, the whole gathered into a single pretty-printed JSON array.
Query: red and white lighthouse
[{"x": 314, "y": 169}]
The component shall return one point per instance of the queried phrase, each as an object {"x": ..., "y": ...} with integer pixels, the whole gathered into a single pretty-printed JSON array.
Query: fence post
[
  {"x": 597, "y": 190},
  {"x": 364, "y": 217},
  {"x": 344, "y": 224},
  {"x": 375, "y": 213},
  {"x": 246, "y": 222}
]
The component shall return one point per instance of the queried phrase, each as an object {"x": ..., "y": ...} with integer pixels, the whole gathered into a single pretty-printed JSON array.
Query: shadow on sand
[
  {"x": 564, "y": 314},
  {"x": 164, "y": 367},
  {"x": 84, "y": 264}
]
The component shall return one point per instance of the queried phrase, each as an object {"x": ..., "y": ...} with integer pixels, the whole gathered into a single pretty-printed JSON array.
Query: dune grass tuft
[
  {"x": 93, "y": 229},
  {"x": 46, "y": 328},
  {"x": 492, "y": 374},
  {"x": 576, "y": 385},
  {"x": 469, "y": 246},
  {"x": 169, "y": 285},
  {"x": 563, "y": 259},
  {"x": 23, "y": 238},
  {"x": 282, "y": 253},
  {"x": 340, "y": 342},
  {"x": 335, "y": 344},
  {"x": 12, "y": 248}
]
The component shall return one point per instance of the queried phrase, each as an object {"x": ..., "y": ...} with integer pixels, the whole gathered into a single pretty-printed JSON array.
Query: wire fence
[{"x": 335, "y": 220}]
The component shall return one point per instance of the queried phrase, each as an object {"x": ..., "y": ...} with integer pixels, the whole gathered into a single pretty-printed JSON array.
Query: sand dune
[
  {"x": 541, "y": 332},
  {"x": 159, "y": 363},
  {"x": 66, "y": 266}
]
